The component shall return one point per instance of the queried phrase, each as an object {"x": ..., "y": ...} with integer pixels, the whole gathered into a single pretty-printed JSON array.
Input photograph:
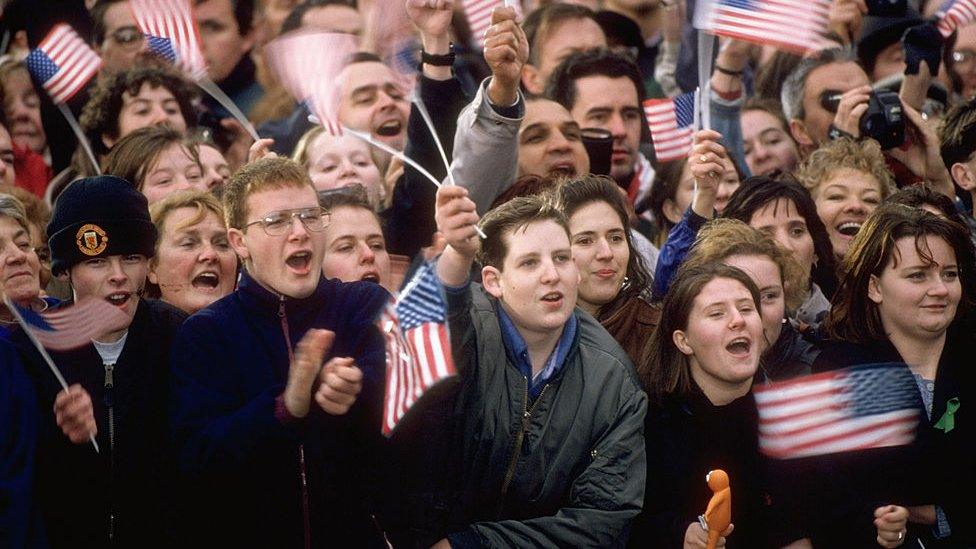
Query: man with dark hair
[
  {"x": 549, "y": 444},
  {"x": 115, "y": 35},
  {"x": 276, "y": 386},
  {"x": 957, "y": 145},
  {"x": 555, "y": 32},
  {"x": 227, "y": 36},
  {"x": 101, "y": 239},
  {"x": 604, "y": 90},
  {"x": 326, "y": 15}
]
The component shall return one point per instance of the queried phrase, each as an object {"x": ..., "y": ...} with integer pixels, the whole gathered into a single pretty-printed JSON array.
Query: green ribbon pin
[{"x": 948, "y": 421}]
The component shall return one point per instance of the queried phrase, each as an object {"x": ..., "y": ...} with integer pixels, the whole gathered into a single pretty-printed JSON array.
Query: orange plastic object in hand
[{"x": 718, "y": 515}]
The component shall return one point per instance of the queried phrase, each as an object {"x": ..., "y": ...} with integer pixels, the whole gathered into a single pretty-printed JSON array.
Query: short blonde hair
[
  {"x": 260, "y": 175},
  {"x": 204, "y": 202},
  {"x": 723, "y": 238},
  {"x": 300, "y": 154},
  {"x": 864, "y": 156}
]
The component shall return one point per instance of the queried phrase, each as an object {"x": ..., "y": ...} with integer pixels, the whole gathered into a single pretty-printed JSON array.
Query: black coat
[
  {"x": 687, "y": 438},
  {"x": 78, "y": 490},
  {"x": 940, "y": 467}
]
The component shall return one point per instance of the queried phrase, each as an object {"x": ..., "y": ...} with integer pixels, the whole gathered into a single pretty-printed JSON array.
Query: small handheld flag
[
  {"x": 954, "y": 14},
  {"x": 795, "y": 25},
  {"x": 171, "y": 33},
  {"x": 63, "y": 63},
  {"x": 857, "y": 408},
  {"x": 671, "y": 122},
  {"x": 418, "y": 347}
]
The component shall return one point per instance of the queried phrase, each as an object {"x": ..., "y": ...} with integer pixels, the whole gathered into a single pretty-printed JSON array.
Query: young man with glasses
[{"x": 276, "y": 386}]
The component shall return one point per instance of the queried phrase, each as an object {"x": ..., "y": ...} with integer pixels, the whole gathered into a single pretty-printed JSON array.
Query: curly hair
[
  {"x": 863, "y": 156},
  {"x": 723, "y": 238},
  {"x": 101, "y": 114}
]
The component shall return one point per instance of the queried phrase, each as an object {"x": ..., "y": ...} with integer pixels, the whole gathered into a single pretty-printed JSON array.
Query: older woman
[
  {"x": 847, "y": 179},
  {"x": 613, "y": 279},
  {"x": 697, "y": 370},
  {"x": 905, "y": 302},
  {"x": 159, "y": 161},
  {"x": 19, "y": 264},
  {"x": 194, "y": 264},
  {"x": 334, "y": 162}
]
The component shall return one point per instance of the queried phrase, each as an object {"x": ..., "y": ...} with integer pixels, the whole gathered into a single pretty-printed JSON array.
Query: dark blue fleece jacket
[{"x": 254, "y": 476}]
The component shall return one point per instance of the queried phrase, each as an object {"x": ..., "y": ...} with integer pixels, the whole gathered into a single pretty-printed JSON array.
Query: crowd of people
[{"x": 610, "y": 314}]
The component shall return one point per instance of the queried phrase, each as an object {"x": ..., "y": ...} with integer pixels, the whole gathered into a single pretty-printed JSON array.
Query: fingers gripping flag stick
[
  {"x": 67, "y": 328},
  {"x": 955, "y": 13},
  {"x": 671, "y": 123},
  {"x": 63, "y": 64},
  {"x": 418, "y": 348},
  {"x": 858, "y": 408},
  {"x": 478, "y": 15}
]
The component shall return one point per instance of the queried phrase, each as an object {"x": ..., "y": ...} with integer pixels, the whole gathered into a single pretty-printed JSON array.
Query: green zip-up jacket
[{"x": 566, "y": 470}]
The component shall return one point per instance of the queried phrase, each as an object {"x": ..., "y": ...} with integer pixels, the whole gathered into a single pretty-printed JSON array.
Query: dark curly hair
[{"x": 101, "y": 114}]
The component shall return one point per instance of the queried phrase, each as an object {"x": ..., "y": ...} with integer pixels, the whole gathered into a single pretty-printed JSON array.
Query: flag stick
[
  {"x": 706, "y": 50},
  {"x": 404, "y": 158},
  {"x": 422, "y": 109},
  {"x": 40, "y": 348},
  {"x": 696, "y": 126},
  {"x": 208, "y": 86},
  {"x": 80, "y": 134}
]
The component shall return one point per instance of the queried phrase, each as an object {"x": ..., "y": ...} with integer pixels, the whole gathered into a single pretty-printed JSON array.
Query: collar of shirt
[{"x": 518, "y": 351}]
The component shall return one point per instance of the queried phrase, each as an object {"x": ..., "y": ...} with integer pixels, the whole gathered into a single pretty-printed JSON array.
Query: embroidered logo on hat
[{"x": 91, "y": 239}]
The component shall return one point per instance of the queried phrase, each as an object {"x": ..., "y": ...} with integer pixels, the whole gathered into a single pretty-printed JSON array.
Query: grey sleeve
[
  {"x": 604, "y": 498},
  {"x": 486, "y": 149}
]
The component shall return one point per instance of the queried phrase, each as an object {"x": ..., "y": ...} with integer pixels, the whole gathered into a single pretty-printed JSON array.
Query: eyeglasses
[
  {"x": 128, "y": 36},
  {"x": 280, "y": 222}
]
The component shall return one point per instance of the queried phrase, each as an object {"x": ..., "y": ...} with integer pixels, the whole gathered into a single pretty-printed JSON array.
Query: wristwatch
[
  {"x": 445, "y": 60},
  {"x": 834, "y": 133}
]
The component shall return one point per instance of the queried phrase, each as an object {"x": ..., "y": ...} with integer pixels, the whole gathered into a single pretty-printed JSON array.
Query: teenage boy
[
  {"x": 269, "y": 438},
  {"x": 101, "y": 239},
  {"x": 550, "y": 437}
]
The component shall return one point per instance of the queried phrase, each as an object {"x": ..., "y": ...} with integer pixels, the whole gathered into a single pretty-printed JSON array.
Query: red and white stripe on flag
[
  {"x": 173, "y": 20},
  {"x": 73, "y": 326},
  {"x": 671, "y": 140},
  {"x": 75, "y": 62},
  {"x": 832, "y": 412},
  {"x": 954, "y": 14},
  {"x": 795, "y": 25},
  {"x": 309, "y": 65},
  {"x": 415, "y": 361},
  {"x": 478, "y": 15}
]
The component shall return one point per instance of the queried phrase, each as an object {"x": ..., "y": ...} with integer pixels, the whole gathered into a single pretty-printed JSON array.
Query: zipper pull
[
  {"x": 281, "y": 307},
  {"x": 109, "y": 397}
]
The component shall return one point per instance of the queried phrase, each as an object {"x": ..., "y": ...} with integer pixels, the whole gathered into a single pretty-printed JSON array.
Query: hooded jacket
[{"x": 261, "y": 478}]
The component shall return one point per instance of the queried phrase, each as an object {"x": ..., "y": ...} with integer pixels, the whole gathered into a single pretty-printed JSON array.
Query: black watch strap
[{"x": 446, "y": 60}]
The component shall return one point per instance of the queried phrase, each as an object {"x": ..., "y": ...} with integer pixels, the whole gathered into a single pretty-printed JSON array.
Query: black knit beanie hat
[{"x": 99, "y": 217}]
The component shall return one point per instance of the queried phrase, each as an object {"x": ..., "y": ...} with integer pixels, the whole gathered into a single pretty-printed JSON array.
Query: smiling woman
[
  {"x": 159, "y": 161},
  {"x": 847, "y": 179},
  {"x": 19, "y": 265}
]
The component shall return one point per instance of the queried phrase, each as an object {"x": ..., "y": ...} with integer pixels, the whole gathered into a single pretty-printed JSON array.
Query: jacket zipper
[
  {"x": 109, "y": 399},
  {"x": 306, "y": 521},
  {"x": 519, "y": 439}
]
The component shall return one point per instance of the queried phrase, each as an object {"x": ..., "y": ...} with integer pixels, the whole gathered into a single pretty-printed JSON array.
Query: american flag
[
  {"x": 955, "y": 13},
  {"x": 71, "y": 326},
  {"x": 478, "y": 15},
  {"x": 418, "y": 348},
  {"x": 171, "y": 33},
  {"x": 796, "y": 25},
  {"x": 308, "y": 65},
  {"x": 857, "y": 408},
  {"x": 671, "y": 123},
  {"x": 63, "y": 63}
]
